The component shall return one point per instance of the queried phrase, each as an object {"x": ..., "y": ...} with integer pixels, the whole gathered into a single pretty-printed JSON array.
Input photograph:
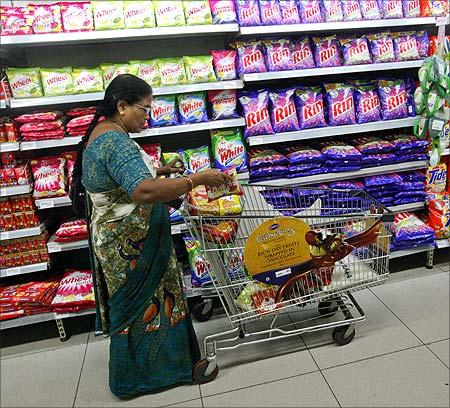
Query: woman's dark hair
[{"x": 126, "y": 87}]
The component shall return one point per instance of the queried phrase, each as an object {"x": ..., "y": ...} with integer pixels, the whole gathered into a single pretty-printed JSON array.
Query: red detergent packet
[
  {"x": 46, "y": 18},
  {"x": 74, "y": 112},
  {"x": 41, "y": 126},
  {"x": 49, "y": 177},
  {"x": 231, "y": 188},
  {"x": 38, "y": 117},
  {"x": 74, "y": 230},
  {"x": 224, "y": 62},
  {"x": 16, "y": 20},
  {"x": 75, "y": 289}
]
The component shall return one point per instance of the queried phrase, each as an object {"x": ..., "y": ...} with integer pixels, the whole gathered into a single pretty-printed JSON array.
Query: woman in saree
[{"x": 138, "y": 285}]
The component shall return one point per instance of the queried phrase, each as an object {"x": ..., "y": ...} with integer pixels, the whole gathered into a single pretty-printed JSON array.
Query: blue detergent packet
[
  {"x": 192, "y": 107},
  {"x": 347, "y": 185},
  {"x": 164, "y": 111},
  {"x": 382, "y": 179}
]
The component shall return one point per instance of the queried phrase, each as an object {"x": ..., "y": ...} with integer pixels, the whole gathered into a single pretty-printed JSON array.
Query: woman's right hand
[{"x": 211, "y": 177}]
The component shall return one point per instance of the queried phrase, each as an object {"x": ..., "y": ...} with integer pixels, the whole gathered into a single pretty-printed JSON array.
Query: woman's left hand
[{"x": 175, "y": 166}]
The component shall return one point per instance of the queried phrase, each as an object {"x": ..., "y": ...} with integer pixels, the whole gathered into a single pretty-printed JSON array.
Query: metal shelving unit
[
  {"x": 47, "y": 144},
  {"x": 22, "y": 233},
  {"x": 323, "y": 178},
  {"x": 408, "y": 207},
  {"x": 45, "y": 203},
  {"x": 9, "y": 147},
  {"x": 97, "y": 96},
  {"x": 443, "y": 243},
  {"x": 54, "y": 247},
  {"x": 410, "y": 251},
  {"x": 22, "y": 270},
  {"x": 330, "y": 131},
  {"x": 118, "y": 35},
  {"x": 351, "y": 69},
  {"x": 337, "y": 26},
  {"x": 14, "y": 190}
]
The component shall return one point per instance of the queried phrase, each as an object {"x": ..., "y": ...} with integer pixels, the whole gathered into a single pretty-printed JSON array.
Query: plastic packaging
[
  {"x": 139, "y": 14},
  {"x": 192, "y": 107},
  {"x": 108, "y": 15},
  {"x": 302, "y": 55},
  {"x": 332, "y": 10},
  {"x": 289, "y": 12},
  {"x": 355, "y": 51},
  {"x": 16, "y": 20},
  {"x": 49, "y": 177},
  {"x": 310, "y": 11},
  {"x": 25, "y": 82},
  {"x": 228, "y": 149},
  {"x": 370, "y": 10},
  {"x": 77, "y": 16},
  {"x": 223, "y": 11},
  {"x": 87, "y": 80},
  {"x": 199, "y": 69},
  {"x": 46, "y": 18},
  {"x": 164, "y": 112},
  {"x": 326, "y": 52},
  {"x": 256, "y": 113},
  {"x": 223, "y": 104},
  {"x": 352, "y": 10},
  {"x": 172, "y": 71},
  {"x": 278, "y": 55},
  {"x": 197, "y": 12},
  {"x": 197, "y": 159},
  {"x": 392, "y": 9},
  {"x": 250, "y": 57},
  {"x": 341, "y": 107},
  {"x": 169, "y": 13},
  {"x": 225, "y": 64},
  {"x": 270, "y": 12},
  {"x": 411, "y": 8},
  {"x": 248, "y": 13},
  {"x": 393, "y": 99},
  {"x": 283, "y": 112},
  {"x": 310, "y": 108},
  {"x": 381, "y": 47},
  {"x": 148, "y": 71},
  {"x": 367, "y": 104}
]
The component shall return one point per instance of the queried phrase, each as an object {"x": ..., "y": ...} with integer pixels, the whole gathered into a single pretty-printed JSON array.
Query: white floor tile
[
  {"x": 441, "y": 349},
  {"x": 262, "y": 362},
  {"x": 94, "y": 391},
  {"x": 421, "y": 303},
  {"x": 46, "y": 379},
  {"x": 380, "y": 333},
  {"x": 197, "y": 403},
  {"x": 309, "y": 390},
  {"x": 408, "y": 378},
  {"x": 412, "y": 273}
]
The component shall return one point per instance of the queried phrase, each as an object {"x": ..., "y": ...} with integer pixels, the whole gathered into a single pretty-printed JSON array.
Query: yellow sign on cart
[{"x": 274, "y": 247}]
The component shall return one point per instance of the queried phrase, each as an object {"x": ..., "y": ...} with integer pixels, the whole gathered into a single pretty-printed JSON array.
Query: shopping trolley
[{"x": 349, "y": 221}]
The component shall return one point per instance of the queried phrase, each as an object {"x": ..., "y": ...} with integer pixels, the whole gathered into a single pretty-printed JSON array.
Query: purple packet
[
  {"x": 248, "y": 13},
  {"x": 415, "y": 150},
  {"x": 372, "y": 145},
  {"x": 387, "y": 201},
  {"x": 270, "y": 12},
  {"x": 411, "y": 8},
  {"x": 415, "y": 175},
  {"x": 413, "y": 185},
  {"x": 269, "y": 171},
  {"x": 379, "y": 159},
  {"x": 412, "y": 157},
  {"x": 302, "y": 56},
  {"x": 355, "y": 51},
  {"x": 310, "y": 11},
  {"x": 406, "y": 142},
  {"x": 283, "y": 112},
  {"x": 347, "y": 185},
  {"x": 259, "y": 156},
  {"x": 256, "y": 113},
  {"x": 392, "y": 9},
  {"x": 410, "y": 87},
  {"x": 332, "y": 11},
  {"x": 382, "y": 180},
  {"x": 289, "y": 12},
  {"x": 340, "y": 151},
  {"x": 250, "y": 57},
  {"x": 310, "y": 108},
  {"x": 381, "y": 47},
  {"x": 340, "y": 169},
  {"x": 408, "y": 227},
  {"x": 295, "y": 168},
  {"x": 393, "y": 99},
  {"x": 367, "y": 104},
  {"x": 411, "y": 199},
  {"x": 277, "y": 195},
  {"x": 326, "y": 52},
  {"x": 351, "y": 10},
  {"x": 370, "y": 9},
  {"x": 311, "y": 172},
  {"x": 278, "y": 55},
  {"x": 342, "y": 162},
  {"x": 405, "y": 47},
  {"x": 302, "y": 154},
  {"x": 341, "y": 107},
  {"x": 422, "y": 43}
]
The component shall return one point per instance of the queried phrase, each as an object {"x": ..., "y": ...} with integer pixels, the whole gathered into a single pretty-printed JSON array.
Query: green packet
[
  {"x": 169, "y": 13},
  {"x": 108, "y": 15},
  {"x": 87, "y": 80},
  {"x": 108, "y": 73},
  {"x": 25, "y": 82},
  {"x": 199, "y": 69},
  {"x": 139, "y": 14},
  {"x": 148, "y": 71},
  {"x": 197, "y": 12},
  {"x": 57, "y": 81},
  {"x": 172, "y": 71}
]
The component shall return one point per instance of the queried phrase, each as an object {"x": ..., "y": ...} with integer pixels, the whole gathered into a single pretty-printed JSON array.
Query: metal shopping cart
[{"x": 350, "y": 222}]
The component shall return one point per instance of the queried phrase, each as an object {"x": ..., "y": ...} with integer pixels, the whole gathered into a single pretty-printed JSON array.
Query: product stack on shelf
[{"x": 262, "y": 103}]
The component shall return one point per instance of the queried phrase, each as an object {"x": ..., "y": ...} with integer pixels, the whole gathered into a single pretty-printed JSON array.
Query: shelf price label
[
  {"x": 12, "y": 271},
  {"x": 256, "y": 141},
  {"x": 176, "y": 229},
  {"x": 52, "y": 247},
  {"x": 46, "y": 204}
]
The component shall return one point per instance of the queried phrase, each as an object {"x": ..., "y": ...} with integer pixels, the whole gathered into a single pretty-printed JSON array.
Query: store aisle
[{"x": 400, "y": 357}]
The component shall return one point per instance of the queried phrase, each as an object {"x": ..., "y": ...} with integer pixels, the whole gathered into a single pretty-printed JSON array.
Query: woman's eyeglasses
[{"x": 146, "y": 109}]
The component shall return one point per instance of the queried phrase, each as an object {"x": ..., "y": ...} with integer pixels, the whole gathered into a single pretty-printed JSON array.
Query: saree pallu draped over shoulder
[{"x": 139, "y": 296}]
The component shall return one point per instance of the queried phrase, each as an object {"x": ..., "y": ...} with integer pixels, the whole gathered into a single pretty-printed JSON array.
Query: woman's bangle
[{"x": 190, "y": 183}]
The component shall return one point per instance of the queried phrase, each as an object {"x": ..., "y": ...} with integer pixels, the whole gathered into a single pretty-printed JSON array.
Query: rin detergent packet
[
  {"x": 256, "y": 113},
  {"x": 283, "y": 112},
  {"x": 248, "y": 13},
  {"x": 341, "y": 106},
  {"x": 310, "y": 108},
  {"x": 393, "y": 99}
]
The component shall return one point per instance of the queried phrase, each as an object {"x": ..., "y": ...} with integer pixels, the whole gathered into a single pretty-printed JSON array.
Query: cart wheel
[
  {"x": 328, "y": 307},
  {"x": 340, "y": 337},
  {"x": 200, "y": 368},
  {"x": 203, "y": 311}
]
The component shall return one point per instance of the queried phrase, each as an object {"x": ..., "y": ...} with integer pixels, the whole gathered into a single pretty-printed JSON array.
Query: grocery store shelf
[
  {"x": 446, "y": 152},
  {"x": 54, "y": 247},
  {"x": 22, "y": 270},
  {"x": 323, "y": 178},
  {"x": 9, "y": 147},
  {"x": 14, "y": 190},
  {"x": 195, "y": 127},
  {"x": 350, "y": 69},
  {"x": 407, "y": 207},
  {"x": 337, "y": 26},
  {"x": 118, "y": 35},
  {"x": 53, "y": 202},
  {"x": 178, "y": 228},
  {"x": 46, "y": 144},
  {"x": 330, "y": 131},
  {"x": 39, "y": 318},
  {"x": 443, "y": 243},
  {"x": 22, "y": 233},
  {"x": 97, "y": 96},
  {"x": 410, "y": 251}
]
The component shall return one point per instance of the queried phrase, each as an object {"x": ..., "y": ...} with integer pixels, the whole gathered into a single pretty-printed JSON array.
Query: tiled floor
[{"x": 399, "y": 357}]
